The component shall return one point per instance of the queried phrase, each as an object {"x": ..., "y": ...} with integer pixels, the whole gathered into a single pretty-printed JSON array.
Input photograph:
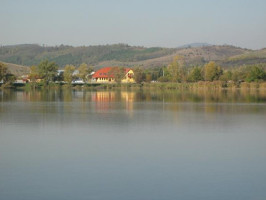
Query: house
[{"x": 109, "y": 75}]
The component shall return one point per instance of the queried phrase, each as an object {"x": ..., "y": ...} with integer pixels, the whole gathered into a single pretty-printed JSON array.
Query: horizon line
[{"x": 204, "y": 44}]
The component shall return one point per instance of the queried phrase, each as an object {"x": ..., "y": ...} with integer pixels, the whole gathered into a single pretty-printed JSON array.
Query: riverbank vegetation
[
  {"x": 177, "y": 72},
  {"x": 174, "y": 76}
]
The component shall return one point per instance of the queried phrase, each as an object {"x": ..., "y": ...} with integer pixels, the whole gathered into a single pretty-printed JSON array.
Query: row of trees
[
  {"x": 174, "y": 72},
  {"x": 48, "y": 71},
  {"x": 212, "y": 71},
  {"x": 177, "y": 72},
  {"x": 83, "y": 73},
  {"x": 45, "y": 70}
]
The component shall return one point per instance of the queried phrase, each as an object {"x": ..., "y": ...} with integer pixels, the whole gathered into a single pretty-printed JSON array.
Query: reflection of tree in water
[
  {"x": 62, "y": 105},
  {"x": 244, "y": 95},
  {"x": 7, "y": 95},
  {"x": 67, "y": 95}
]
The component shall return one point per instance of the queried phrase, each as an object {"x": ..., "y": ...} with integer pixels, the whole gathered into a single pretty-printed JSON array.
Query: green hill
[
  {"x": 125, "y": 55},
  {"x": 62, "y": 55}
]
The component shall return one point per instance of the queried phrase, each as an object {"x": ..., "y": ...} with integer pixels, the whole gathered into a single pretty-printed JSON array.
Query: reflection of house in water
[
  {"x": 129, "y": 98},
  {"x": 103, "y": 96},
  {"x": 103, "y": 99}
]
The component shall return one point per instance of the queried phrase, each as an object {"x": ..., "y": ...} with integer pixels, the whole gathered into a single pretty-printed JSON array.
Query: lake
[{"x": 132, "y": 145}]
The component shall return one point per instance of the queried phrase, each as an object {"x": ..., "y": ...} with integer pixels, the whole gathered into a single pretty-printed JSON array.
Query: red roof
[{"x": 108, "y": 72}]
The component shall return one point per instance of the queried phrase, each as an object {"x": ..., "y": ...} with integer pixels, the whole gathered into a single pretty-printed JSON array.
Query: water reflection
[
  {"x": 200, "y": 95},
  {"x": 62, "y": 106},
  {"x": 135, "y": 144}
]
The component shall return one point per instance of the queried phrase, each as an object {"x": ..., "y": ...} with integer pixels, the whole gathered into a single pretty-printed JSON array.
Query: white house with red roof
[{"x": 108, "y": 75}]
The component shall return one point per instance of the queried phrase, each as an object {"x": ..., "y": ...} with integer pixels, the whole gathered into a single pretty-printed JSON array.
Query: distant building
[
  {"x": 60, "y": 72},
  {"x": 109, "y": 74}
]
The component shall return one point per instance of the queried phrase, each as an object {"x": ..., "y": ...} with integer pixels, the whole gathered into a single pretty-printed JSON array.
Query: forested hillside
[
  {"x": 92, "y": 55},
  {"x": 125, "y": 55}
]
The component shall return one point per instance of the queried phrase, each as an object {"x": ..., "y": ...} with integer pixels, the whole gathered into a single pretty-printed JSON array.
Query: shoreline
[{"x": 150, "y": 86}]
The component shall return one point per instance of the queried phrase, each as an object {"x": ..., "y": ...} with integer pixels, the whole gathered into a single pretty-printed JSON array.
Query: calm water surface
[{"x": 132, "y": 145}]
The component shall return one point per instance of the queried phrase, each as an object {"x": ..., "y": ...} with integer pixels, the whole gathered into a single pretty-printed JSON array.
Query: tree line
[
  {"x": 176, "y": 71},
  {"x": 48, "y": 72}
]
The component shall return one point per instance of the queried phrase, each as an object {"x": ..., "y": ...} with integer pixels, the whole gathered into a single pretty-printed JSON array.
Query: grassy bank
[
  {"x": 182, "y": 86},
  {"x": 205, "y": 84},
  {"x": 148, "y": 86}
]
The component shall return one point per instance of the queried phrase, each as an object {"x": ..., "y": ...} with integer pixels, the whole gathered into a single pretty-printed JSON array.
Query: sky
[{"x": 149, "y": 23}]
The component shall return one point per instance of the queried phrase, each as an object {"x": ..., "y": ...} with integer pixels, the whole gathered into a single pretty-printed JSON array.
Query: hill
[
  {"x": 17, "y": 70},
  {"x": 92, "y": 55},
  {"x": 192, "y": 56},
  {"x": 196, "y": 44},
  {"x": 250, "y": 57},
  {"x": 125, "y": 55}
]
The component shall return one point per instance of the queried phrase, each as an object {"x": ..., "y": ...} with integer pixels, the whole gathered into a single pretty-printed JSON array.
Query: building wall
[
  {"x": 105, "y": 80},
  {"x": 129, "y": 77}
]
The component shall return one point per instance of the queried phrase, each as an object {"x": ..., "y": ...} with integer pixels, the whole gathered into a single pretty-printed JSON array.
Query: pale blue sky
[{"x": 167, "y": 23}]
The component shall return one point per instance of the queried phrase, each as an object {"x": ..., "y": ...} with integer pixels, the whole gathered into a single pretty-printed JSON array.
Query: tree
[
  {"x": 90, "y": 70},
  {"x": 173, "y": 69},
  {"x": 255, "y": 73},
  {"x": 3, "y": 72},
  {"x": 154, "y": 75},
  {"x": 119, "y": 74},
  {"x": 227, "y": 76},
  {"x": 239, "y": 74},
  {"x": 148, "y": 77},
  {"x": 5, "y": 75},
  {"x": 176, "y": 70},
  {"x": 47, "y": 71},
  {"x": 9, "y": 79},
  {"x": 83, "y": 71},
  {"x": 161, "y": 72},
  {"x": 60, "y": 76},
  {"x": 212, "y": 71},
  {"x": 68, "y": 73},
  {"x": 33, "y": 73},
  {"x": 138, "y": 75},
  {"x": 195, "y": 75},
  {"x": 163, "y": 79}
]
